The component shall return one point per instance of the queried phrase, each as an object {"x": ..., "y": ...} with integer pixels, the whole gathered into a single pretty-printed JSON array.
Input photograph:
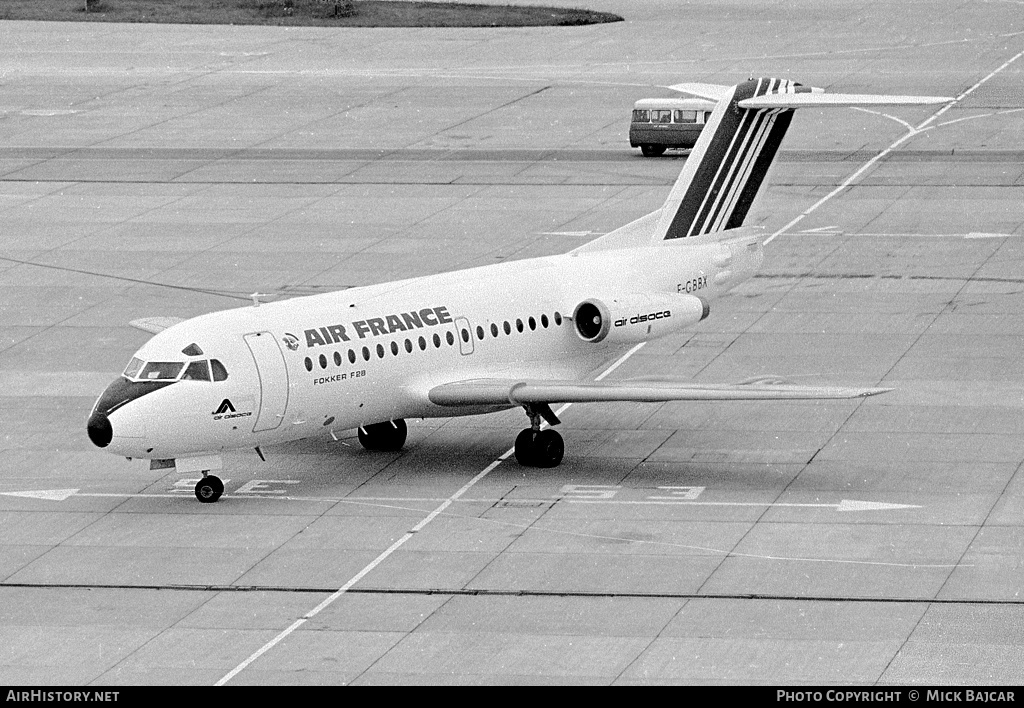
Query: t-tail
[{"x": 727, "y": 166}]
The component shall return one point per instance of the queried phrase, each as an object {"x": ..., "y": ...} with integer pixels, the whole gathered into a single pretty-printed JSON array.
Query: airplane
[{"x": 527, "y": 333}]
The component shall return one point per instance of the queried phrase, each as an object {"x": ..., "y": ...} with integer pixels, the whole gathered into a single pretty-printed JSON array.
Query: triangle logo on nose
[{"x": 225, "y": 407}]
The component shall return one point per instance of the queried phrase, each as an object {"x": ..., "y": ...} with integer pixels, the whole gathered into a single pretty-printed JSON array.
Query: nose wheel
[{"x": 209, "y": 489}]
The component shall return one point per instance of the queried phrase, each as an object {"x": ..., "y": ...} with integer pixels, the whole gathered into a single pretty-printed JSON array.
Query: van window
[
  {"x": 685, "y": 116},
  {"x": 641, "y": 116},
  {"x": 661, "y": 116}
]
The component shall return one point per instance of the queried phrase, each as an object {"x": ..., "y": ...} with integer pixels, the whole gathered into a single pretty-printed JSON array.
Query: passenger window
[
  {"x": 533, "y": 324},
  {"x": 661, "y": 116},
  {"x": 323, "y": 362},
  {"x": 519, "y": 325},
  {"x": 366, "y": 354},
  {"x": 408, "y": 345},
  {"x": 494, "y": 330},
  {"x": 450, "y": 337},
  {"x": 197, "y": 371},
  {"x": 508, "y": 328},
  {"x": 132, "y": 370},
  {"x": 641, "y": 116},
  {"x": 162, "y": 370},
  {"x": 337, "y": 358},
  {"x": 479, "y": 333},
  {"x": 351, "y": 356},
  {"x": 544, "y": 321},
  {"x": 394, "y": 348},
  {"x": 437, "y": 341},
  {"x": 380, "y": 351},
  {"x": 465, "y": 335},
  {"x": 221, "y": 374},
  {"x": 558, "y": 319},
  {"x": 423, "y": 344},
  {"x": 686, "y": 116}
]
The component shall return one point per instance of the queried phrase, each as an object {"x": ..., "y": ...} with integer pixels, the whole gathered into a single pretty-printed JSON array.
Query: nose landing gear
[{"x": 209, "y": 488}]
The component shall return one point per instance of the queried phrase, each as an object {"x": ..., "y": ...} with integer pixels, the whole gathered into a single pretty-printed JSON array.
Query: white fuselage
[{"x": 341, "y": 360}]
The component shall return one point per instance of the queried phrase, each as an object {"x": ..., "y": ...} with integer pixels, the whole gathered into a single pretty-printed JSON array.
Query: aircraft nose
[{"x": 99, "y": 429}]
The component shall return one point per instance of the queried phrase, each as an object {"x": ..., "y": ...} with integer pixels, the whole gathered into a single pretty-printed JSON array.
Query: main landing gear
[
  {"x": 536, "y": 447},
  {"x": 209, "y": 488},
  {"x": 388, "y": 436}
]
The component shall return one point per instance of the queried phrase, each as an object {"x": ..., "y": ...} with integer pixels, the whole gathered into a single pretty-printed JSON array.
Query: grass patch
[{"x": 321, "y": 13}]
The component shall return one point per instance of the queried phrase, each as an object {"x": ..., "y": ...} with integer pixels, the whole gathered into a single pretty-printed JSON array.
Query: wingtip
[{"x": 865, "y": 392}]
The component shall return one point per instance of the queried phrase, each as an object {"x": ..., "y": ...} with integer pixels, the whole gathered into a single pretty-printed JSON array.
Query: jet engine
[{"x": 636, "y": 317}]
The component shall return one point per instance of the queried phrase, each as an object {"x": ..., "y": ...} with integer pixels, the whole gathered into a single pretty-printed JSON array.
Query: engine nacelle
[{"x": 635, "y": 317}]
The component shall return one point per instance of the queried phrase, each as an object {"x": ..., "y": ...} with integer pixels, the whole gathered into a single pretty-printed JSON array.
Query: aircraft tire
[
  {"x": 388, "y": 436},
  {"x": 525, "y": 449},
  {"x": 652, "y": 150},
  {"x": 209, "y": 489},
  {"x": 548, "y": 449}
]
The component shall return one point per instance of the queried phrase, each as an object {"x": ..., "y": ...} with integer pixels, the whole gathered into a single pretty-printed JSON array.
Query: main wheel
[
  {"x": 548, "y": 449},
  {"x": 388, "y": 436},
  {"x": 525, "y": 448},
  {"x": 209, "y": 489},
  {"x": 652, "y": 150}
]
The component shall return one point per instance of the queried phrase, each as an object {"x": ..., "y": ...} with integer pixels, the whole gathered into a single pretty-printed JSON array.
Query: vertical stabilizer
[{"x": 726, "y": 167}]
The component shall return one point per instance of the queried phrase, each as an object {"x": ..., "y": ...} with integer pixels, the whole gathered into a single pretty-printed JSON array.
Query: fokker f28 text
[{"x": 528, "y": 334}]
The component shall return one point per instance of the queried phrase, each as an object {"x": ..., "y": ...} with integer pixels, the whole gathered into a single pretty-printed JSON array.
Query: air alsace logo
[
  {"x": 640, "y": 319},
  {"x": 377, "y": 326},
  {"x": 290, "y": 341},
  {"x": 227, "y": 410}
]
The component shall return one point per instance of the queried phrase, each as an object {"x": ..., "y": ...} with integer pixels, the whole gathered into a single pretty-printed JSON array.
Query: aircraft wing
[
  {"x": 523, "y": 391},
  {"x": 155, "y": 325}
]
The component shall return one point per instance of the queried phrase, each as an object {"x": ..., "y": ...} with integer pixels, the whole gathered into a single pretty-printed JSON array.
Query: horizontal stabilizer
[
  {"x": 520, "y": 392},
  {"x": 155, "y": 325},
  {"x": 837, "y": 100}
]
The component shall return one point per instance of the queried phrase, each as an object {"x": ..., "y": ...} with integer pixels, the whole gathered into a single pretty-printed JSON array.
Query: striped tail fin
[{"x": 727, "y": 166}]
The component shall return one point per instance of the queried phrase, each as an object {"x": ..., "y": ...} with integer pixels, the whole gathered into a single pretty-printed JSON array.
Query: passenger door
[{"x": 273, "y": 377}]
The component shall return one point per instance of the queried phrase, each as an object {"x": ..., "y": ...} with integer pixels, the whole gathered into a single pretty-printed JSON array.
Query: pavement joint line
[
  {"x": 489, "y": 592},
  {"x": 399, "y": 543}
]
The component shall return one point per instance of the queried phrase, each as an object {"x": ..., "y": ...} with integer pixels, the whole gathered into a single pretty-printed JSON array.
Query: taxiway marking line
[
  {"x": 396, "y": 545},
  {"x": 907, "y": 136},
  {"x": 842, "y": 505}
]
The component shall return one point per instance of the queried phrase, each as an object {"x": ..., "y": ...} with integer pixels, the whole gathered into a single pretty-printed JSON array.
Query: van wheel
[{"x": 652, "y": 150}]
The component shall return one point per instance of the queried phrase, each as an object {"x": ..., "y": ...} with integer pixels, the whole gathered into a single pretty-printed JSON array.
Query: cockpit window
[
  {"x": 197, "y": 371},
  {"x": 192, "y": 350},
  {"x": 132, "y": 370},
  {"x": 161, "y": 370},
  {"x": 219, "y": 372}
]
